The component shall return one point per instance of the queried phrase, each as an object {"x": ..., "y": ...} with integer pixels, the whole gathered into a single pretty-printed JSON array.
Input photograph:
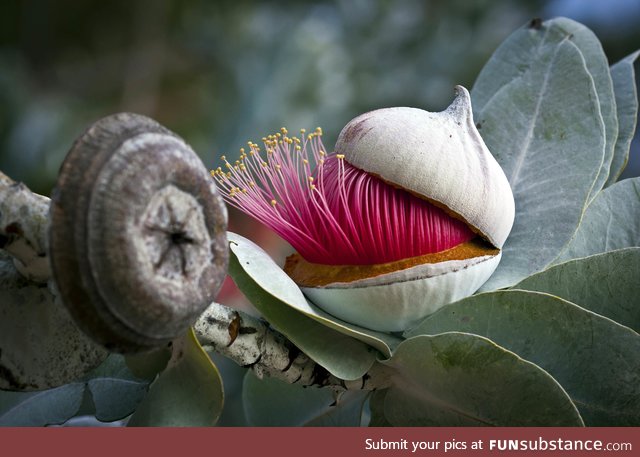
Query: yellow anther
[
  {"x": 274, "y": 203},
  {"x": 318, "y": 131},
  {"x": 305, "y": 161},
  {"x": 313, "y": 187},
  {"x": 340, "y": 156},
  {"x": 241, "y": 150},
  {"x": 223, "y": 157},
  {"x": 252, "y": 184},
  {"x": 322, "y": 153},
  {"x": 278, "y": 167},
  {"x": 283, "y": 130},
  {"x": 298, "y": 148},
  {"x": 228, "y": 165},
  {"x": 310, "y": 178}
]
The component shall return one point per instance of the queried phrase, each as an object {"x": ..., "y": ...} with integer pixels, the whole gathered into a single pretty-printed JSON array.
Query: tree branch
[
  {"x": 24, "y": 217},
  {"x": 248, "y": 341}
]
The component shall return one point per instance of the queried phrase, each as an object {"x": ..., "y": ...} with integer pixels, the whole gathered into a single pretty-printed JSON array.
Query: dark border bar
[{"x": 320, "y": 442}]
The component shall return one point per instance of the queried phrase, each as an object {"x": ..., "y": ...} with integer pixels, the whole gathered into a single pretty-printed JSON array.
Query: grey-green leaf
[
  {"x": 347, "y": 411},
  {"x": 336, "y": 345},
  {"x": 596, "y": 360},
  {"x": 606, "y": 284},
  {"x": 624, "y": 86},
  {"x": 37, "y": 409},
  {"x": 115, "y": 391},
  {"x": 610, "y": 222},
  {"x": 459, "y": 379},
  {"x": 111, "y": 390},
  {"x": 538, "y": 111},
  {"x": 598, "y": 66},
  {"x": 270, "y": 402},
  {"x": 188, "y": 393}
]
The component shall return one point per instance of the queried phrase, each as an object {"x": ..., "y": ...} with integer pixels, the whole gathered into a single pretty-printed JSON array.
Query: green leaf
[
  {"x": 610, "y": 222},
  {"x": 624, "y": 86},
  {"x": 336, "y": 345},
  {"x": 348, "y": 411},
  {"x": 596, "y": 360},
  {"x": 188, "y": 393},
  {"x": 270, "y": 402},
  {"x": 37, "y": 409},
  {"x": 147, "y": 365},
  {"x": 538, "y": 112},
  {"x": 598, "y": 66},
  {"x": 606, "y": 284},
  {"x": 376, "y": 405},
  {"x": 111, "y": 389},
  {"x": 114, "y": 389},
  {"x": 458, "y": 379},
  {"x": 40, "y": 345}
]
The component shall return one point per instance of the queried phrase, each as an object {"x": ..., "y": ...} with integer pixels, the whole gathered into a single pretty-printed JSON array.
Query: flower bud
[{"x": 408, "y": 214}]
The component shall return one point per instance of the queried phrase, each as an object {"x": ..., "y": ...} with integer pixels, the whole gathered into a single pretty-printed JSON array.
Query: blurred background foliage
[{"x": 220, "y": 73}]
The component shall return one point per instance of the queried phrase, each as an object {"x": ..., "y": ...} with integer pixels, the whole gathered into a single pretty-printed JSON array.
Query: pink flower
[{"x": 328, "y": 210}]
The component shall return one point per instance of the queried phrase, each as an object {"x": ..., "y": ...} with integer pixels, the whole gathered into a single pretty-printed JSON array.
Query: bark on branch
[
  {"x": 248, "y": 341},
  {"x": 23, "y": 228}
]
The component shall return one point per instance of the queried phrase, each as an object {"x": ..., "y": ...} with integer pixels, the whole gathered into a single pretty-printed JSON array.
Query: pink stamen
[{"x": 335, "y": 214}]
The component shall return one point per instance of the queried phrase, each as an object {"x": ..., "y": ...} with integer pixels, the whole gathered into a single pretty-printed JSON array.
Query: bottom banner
[{"x": 311, "y": 442}]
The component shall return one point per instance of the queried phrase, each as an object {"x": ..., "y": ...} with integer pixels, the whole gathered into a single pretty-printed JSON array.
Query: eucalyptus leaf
[
  {"x": 347, "y": 411},
  {"x": 610, "y": 222},
  {"x": 40, "y": 345},
  {"x": 37, "y": 409},
  {"x": 110, "y": 392},
  {"x": 188, "y": 393},
  {"x": 334, "y": 344},
  {"x": 459, "y": 379},
  {"x": 606, "y": 284},
  {"x": 147, "y": 365},
  {"x": 115, "y": 390},
  {"x": 537, "y": 109},
  {"x": 598, "y": 66},
  {"x": 270, "y": 402},
  {"x": 376, "y": 405},
  {"x": 624, "y": 86},
  {"x": 596, "y": 360}
]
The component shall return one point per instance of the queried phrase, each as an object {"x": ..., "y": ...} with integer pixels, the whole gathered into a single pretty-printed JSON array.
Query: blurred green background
[{"x": 220, "y": 73}]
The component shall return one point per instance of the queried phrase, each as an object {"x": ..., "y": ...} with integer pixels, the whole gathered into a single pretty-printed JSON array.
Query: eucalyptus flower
[{"x": 408, "y": 213}]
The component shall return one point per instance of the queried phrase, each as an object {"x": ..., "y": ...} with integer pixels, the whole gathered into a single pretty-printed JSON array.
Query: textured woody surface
[
  {"x": 137, "y": 236},
  {"x": 25, "y": 242}
]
